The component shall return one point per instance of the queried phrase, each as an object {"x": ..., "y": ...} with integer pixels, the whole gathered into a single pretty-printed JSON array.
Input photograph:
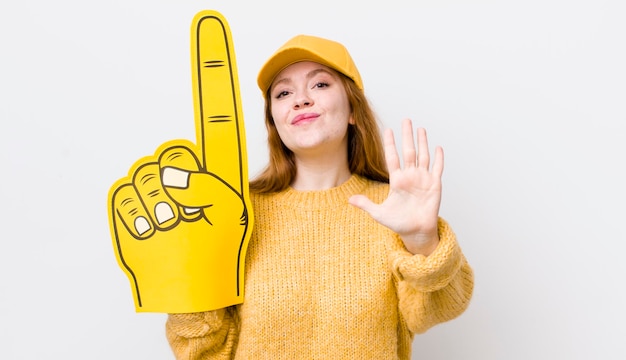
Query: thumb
[{"x": 362, "y": 202}]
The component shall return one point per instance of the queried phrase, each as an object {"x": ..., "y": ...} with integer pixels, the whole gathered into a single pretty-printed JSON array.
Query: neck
[{"x": 321, "y": 175}]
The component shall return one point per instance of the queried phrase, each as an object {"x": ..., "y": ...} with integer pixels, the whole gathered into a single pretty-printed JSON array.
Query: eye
[
  {"x": 281, "y": 94},
  {"x": 321, "y": 84}
]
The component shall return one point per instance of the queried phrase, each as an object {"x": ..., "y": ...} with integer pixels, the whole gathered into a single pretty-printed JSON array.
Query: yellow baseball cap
[{"x": 309, "y": 48}]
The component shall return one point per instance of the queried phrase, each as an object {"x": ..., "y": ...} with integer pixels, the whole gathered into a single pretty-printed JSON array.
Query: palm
[{"x": 412, "y": 206}]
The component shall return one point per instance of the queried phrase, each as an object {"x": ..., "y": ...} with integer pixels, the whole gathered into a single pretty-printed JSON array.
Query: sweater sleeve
[
  {"x": 204, "y": 335},
  {"x": 433, "y": 289}
]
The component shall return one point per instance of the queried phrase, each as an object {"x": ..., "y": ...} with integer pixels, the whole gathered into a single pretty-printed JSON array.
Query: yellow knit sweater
[{"x": 325, "y": 281}]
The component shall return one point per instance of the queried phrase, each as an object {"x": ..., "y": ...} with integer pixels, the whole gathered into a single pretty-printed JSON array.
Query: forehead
[{"x": 302, "y": 68}]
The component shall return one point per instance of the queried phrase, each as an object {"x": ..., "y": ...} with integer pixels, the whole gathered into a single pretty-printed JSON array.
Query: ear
[{"x": 351, "y": 120}]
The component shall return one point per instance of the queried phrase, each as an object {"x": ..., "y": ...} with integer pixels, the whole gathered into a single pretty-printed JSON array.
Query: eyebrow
[{"x": 309, "y": 75}]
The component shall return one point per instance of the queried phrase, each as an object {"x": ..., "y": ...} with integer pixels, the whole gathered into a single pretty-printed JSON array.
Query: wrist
[{"x": 420, "y": 244}]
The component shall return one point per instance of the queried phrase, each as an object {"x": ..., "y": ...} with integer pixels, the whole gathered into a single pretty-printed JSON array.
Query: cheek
[
  {"x": 278, "y": 114},
  {"x": 279, "y": 121}
]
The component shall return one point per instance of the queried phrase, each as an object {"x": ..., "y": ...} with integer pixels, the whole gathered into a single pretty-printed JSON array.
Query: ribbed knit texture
[{"x": 325, "y": 281}]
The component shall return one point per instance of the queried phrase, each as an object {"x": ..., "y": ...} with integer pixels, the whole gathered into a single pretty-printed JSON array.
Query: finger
[
  {"x": 133, "y": 215},
  {"x": 199, "y": 189},
  {"x": 182, "y": 158},
  {"x": 364, "y": 203},
  {"x": 160, "y": 207},
  {"x": 438, "y": 162},
  {"x": 391, "y": 152},
  {"x": 218, "y": 114},
  {"x": 408, "y": 144},
  {"x": 423, "y": 156}
]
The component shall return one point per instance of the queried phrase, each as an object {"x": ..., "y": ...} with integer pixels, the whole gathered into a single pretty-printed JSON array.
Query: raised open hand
[
  {"x": 412, "y": 207},
  {"x": 180, "y": 221}
]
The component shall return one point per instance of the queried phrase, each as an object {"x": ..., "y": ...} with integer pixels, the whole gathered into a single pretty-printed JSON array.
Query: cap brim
[{"x": 281, "y": 60}]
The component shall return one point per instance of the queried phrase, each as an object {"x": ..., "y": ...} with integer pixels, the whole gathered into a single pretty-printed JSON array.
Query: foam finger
[
  {"x": 218, "y": 114},
  {"x": 171, "y": 162},
  {"x": 162, "y": 210},
  {"x": 128, "y": 208}
]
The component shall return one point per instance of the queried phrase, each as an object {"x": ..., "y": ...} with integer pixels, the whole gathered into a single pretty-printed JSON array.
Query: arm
[
  {"x": 436, "y": 288},
  {"x": 204, "y": 335},
  {"x": 434, "y": 281}
]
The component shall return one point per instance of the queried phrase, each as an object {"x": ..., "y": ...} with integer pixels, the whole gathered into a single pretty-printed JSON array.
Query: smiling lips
[{"x": 304, "y": 118}]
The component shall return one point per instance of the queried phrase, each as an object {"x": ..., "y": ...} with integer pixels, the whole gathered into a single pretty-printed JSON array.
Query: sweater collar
[{"x": 329, "y": 198}]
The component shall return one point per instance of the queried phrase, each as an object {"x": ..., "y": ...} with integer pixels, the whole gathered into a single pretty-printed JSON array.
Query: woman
[{"x": 348, "y": 258}]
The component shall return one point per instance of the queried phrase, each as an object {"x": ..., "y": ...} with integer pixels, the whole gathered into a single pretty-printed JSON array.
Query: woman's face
[{"x": 310, "y": 108}]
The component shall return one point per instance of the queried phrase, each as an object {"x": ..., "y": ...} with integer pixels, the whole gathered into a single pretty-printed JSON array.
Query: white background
[{"x": 526, "y": 97}]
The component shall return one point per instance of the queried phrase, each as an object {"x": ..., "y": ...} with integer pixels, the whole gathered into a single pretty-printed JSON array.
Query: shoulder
[{"x": 256, "y": 197}]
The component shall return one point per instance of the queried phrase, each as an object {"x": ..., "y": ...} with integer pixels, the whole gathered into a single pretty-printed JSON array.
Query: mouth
[{"x": 304, "y": 118}]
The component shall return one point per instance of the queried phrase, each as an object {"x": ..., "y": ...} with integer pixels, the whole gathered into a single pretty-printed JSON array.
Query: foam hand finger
[
  {"x": 196, "y": 190},
  {"x": 128, "y": 208},
  {"x": 199, "y": 189},
  {"x": 162, "y": 210},
  {"x": 175, "y": 162},
  {"x": 218, "y": 114}
]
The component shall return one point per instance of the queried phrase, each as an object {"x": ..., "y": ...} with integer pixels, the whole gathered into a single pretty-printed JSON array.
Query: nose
[{"x": 302, "y": 100}]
